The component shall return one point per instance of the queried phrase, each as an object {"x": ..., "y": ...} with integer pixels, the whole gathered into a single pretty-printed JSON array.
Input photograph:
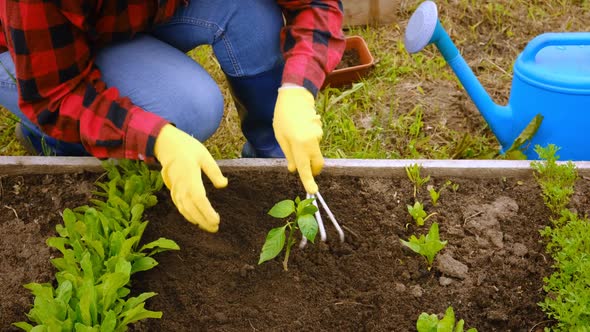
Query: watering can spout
[{"x": 424, "y": 28}]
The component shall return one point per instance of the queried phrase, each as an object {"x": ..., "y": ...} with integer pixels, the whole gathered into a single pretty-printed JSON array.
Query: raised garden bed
[{"x": 491, "y": 271}]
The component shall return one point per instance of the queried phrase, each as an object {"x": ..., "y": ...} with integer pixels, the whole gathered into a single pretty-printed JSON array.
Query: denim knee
[{"x": 198, "y": 114}]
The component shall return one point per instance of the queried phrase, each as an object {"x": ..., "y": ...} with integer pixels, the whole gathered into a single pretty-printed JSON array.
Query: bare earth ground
[{"x": 490, "y": 272}]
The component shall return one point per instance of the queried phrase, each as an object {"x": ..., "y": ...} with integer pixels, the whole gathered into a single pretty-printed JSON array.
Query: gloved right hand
[{"x": 182, "y": 158}]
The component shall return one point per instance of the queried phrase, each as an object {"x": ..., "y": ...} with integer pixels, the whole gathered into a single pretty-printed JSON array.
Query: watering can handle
[{"x": 554, "y": 39}]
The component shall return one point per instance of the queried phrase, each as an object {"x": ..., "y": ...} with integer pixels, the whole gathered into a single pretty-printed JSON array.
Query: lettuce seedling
[
  {"x": 431, "y": 323},
  {"x": 434, "y": 195},
  {"x": 427, "y": 246},
  {"x": 418, "y": 214},
  {"x": 413, "y": 173},
  {"x": 304, "y": 221}
]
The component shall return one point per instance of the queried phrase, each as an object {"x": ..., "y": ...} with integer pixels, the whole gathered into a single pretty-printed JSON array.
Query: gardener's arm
[
  {"x": 312, "y": 43},
  {"x": 61, "y": 91}
]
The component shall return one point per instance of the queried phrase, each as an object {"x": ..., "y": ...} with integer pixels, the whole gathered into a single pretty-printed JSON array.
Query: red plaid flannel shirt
[{"x": 52, "y": 44}]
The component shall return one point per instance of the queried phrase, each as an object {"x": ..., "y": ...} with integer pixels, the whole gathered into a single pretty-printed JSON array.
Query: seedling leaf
[
  {"x": 275, "y": 241},
  {"x": 143, "y": 264},
  {"x": 431, "y": 323},
  {"x": 426, "y": 322},
  {"x": 308, "y": 226},
  {"x": 448, "y": 321},
  {"x": 282, "y": 209},
  {"x": 160, "y": 244}
]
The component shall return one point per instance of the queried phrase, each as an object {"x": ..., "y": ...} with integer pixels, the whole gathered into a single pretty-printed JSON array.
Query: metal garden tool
[
  {"x": 551, "y": 82},
  {"x": 322, "y": 203}
]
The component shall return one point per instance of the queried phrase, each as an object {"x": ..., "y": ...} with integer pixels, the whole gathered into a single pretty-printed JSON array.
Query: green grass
[
  {"x": 412, "y": 106},
  {"x": 9, "y": 146}
]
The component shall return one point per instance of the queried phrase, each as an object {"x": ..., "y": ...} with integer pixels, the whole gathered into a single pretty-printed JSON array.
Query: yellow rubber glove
[
  {"x": 298, "y": 129},
  {"x": 182, "y": 158}
]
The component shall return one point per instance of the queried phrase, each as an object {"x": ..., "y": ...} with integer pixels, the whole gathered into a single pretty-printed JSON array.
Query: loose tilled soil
[{"x": 491, "y": 270}]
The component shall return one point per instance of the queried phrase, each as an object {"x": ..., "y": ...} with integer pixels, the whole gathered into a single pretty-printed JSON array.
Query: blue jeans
[{"x": 156, "y": 74}]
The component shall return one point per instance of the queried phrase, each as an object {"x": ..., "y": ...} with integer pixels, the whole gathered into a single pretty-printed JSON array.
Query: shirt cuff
[
  {"x": 304, "y": 71},
  {"x": 142, "y": 131}
]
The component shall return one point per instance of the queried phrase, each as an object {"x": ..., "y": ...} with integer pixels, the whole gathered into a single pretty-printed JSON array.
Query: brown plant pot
[{"x": 356, "y": 63}]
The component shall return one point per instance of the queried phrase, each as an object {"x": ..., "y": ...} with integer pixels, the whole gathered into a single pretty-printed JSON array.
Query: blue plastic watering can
[{"x": 551, "y": 78}]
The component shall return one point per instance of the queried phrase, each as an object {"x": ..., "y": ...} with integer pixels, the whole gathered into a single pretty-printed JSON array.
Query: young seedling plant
[
  {"x": 427, "y": 246},
  {"x": 431, "y": 323},
  {"x": 304, "y": 221},
  {"x": 418, "y": 214},
  {"x": 413, "y": 173},
  {"x": 434, "y": 194}
]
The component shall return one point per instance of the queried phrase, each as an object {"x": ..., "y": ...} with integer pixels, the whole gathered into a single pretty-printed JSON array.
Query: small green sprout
[
  {"x": 418, "y": 214},
  {"x": 276, "y": 238},
  {"x": 413, "y": 173},
  {"x": 427, "y": 246},
  {"x": 431, "y": 323},
  {"x": 434, "y": 195}
]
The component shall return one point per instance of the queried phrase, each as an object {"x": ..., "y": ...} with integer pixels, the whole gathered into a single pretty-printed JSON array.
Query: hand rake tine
[
  {"x": 318, "y": 218},
  {"x": 331, "y": 216}
]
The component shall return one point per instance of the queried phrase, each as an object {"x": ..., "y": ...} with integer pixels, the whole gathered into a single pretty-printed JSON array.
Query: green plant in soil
[
  {"x": 101, "y": 250},
  {"x": 556, "y": 180},
  {"x": 568, "y": 294},
  {"x": 413, "y": 173},
  {"x": 434, "y": 194},
  {"x": 427, "y": 246},
  {"x": 304, "y": 221},
  {"x": 431, "y": 323},
  {"x": 418, "y": 214}
]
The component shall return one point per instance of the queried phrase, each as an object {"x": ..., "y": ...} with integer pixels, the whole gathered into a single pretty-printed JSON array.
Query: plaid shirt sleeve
[
  {"x": 61, "y": 90},
  {"x": 312, "y": 41}
]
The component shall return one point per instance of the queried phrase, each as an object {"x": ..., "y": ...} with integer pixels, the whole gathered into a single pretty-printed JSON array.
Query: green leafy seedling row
[
  {"x": 568, "y": 295},
  {"x": 100, "y": 247}
]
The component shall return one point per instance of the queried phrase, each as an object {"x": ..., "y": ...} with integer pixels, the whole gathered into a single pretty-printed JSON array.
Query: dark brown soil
[
  {"x": 350, "y": 58},
  {"x": 491, "y": 270}
]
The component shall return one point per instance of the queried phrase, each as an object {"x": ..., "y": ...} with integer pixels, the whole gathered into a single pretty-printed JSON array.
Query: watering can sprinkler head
[
  {"x": 421, "y": 27},
  {"x": 425, "y": 28}
]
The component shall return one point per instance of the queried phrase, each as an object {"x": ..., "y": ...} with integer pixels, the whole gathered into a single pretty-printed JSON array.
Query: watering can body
[{"x": 551, "y": 78}]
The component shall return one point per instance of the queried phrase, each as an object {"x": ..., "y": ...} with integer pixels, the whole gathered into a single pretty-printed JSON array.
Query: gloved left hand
[
  {"x": 183, "y": 158},
  {"x": 298, "y": 129}
]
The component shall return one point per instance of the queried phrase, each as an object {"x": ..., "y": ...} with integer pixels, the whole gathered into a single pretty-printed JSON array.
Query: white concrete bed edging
[{"x": 10, "y": 165}]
